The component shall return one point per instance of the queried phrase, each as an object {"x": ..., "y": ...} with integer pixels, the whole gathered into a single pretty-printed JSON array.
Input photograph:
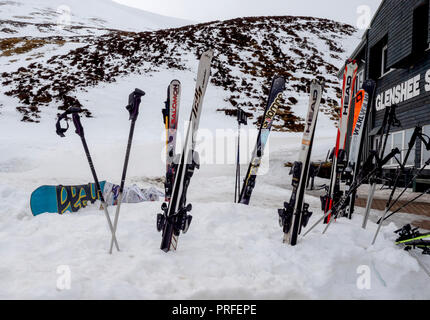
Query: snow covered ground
[{"x": 230, "y": 252}]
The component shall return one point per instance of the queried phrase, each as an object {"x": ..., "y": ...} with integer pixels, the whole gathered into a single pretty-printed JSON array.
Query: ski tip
[{"x": 209, "y": 54}]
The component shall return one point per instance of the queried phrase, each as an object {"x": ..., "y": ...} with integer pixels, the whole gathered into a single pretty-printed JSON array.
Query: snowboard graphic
[{"x": 62, "y": 199}]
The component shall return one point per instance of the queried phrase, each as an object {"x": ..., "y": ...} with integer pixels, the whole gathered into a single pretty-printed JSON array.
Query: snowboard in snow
[{"x": 61, "y": 199}]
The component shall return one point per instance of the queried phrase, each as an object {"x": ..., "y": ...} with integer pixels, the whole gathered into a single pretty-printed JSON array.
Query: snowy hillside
[
  {"x": 41, "y": 18},
  {"x": 248, "y": 52}
]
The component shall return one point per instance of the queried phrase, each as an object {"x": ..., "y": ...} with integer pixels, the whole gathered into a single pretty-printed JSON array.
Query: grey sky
[{"x": 203, "y": 10}]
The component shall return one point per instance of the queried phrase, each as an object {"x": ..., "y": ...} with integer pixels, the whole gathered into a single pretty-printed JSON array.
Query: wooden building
[{"x": 395, "y": 52}]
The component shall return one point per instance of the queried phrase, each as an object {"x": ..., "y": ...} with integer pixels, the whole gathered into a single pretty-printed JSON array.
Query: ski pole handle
[
  {"x": 391, "y": 155},
  {"x": 134, "y": 102},
  {"x": 78, "y": 125},
  {"x": 61, "y": 130},
  {"x": 74, "y": 111}
]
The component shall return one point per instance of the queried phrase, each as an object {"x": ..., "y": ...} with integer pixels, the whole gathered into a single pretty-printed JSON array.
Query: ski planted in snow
[
  {"x": 273, "y": 104},
  {"x": 363, "y": 100},
  {"x": 295, "y": 213},
  {"x": 242, "y": 119},
  {"x": 175, "y": 217},
  {"x": 170, "y": 117},
  {"x": 342, "y": 141}
]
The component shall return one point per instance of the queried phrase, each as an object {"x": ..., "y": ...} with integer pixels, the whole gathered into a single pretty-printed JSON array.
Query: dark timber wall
[{"x": 393, "y": 25}]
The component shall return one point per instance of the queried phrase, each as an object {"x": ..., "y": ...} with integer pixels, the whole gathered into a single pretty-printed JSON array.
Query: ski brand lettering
[
  {"x": 272, "y": 106},
  {"x": 197, "y": 98},
  {"x": 312, "y": 111},
  {"x": 271, "y": 113},
  {"x": 174, "y": 105},
  {"x": 347, "y": 95},
  {"x": 361, "y": 117}
]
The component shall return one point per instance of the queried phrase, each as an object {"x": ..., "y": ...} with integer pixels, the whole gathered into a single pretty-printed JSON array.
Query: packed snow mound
[
  {"x": 41, "y": 18},
  {"x": 248, "y": 53},
  {"x": 231, "y": 252}
]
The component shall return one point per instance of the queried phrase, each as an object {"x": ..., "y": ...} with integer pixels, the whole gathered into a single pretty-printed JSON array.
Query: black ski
[
  {"x": 273, "y": 104},
  {"x": 295, "y": 213}
]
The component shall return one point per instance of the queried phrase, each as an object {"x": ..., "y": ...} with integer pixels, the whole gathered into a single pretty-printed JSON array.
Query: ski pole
[
  {"x": 133, "y": 108},
  {"x": 342, "y": 202},
  {"x": 388, "y": 121},
  {"x": 385, "y": 161},
  {"x": 426, "y": 164},
  {"x": 74, "y": 111},
  {"x": 383, "y": 218},
  {"x": 389, "y": 204}
]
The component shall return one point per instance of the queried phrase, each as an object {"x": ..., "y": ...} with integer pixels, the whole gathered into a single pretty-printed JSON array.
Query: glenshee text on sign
[{"x": 402, "y": 92}]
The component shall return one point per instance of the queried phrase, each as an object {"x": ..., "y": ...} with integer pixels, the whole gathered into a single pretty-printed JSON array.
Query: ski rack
[
  {"x": 390, "y": 120},
  {"x": 340, "y": 204},
  {"x": 390, "y": 204}
]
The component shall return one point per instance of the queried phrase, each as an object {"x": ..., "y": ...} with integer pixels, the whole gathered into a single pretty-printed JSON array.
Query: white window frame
[
  {"x": 405, "y": 144},
  {"x": 383, "y": 62},
  {"x": 359, "y": 82}
]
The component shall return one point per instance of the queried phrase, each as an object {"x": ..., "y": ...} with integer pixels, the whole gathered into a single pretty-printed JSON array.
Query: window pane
[
  {"x": 408, "y": 136},
  {"x": 388, "y": 147},
  {"x": 398, "y": 143},
  {"x": 384, "y": 61},
  {"x": 426, "y": 154}
]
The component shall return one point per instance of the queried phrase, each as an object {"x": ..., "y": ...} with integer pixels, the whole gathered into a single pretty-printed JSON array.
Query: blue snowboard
[{"x": 62, "y": 199}]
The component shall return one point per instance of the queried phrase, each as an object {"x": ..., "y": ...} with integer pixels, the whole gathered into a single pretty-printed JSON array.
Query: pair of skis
[
  {"x": 295, "y": 213},
  {"x": 362, "y": 108},
  {"x": 370, "y": 169},
  {"x": 340, "y": 154},
  {"x": 175, "y": 217},
  {"x": 133, "y": 109}
]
